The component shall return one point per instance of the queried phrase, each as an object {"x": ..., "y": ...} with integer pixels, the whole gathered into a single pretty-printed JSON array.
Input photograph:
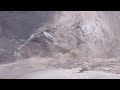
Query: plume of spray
[{"x": 83, "y": 34}]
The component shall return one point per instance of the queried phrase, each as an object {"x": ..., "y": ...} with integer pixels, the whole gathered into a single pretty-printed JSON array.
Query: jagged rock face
[
  {"x": 82, "y": 33},
  {"x": 37, "y": 44},
  {"x": 42, "y": 43},
  {"x": 85, "y": 32}
]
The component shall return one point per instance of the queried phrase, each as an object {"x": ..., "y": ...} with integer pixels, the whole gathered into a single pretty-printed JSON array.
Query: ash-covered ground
[{"x": 80, "y": 41}]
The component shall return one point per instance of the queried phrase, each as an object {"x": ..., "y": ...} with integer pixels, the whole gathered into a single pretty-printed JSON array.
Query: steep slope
[
  {"x": 71, "y": 43},
  {"x": 85, "y": 34}
]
